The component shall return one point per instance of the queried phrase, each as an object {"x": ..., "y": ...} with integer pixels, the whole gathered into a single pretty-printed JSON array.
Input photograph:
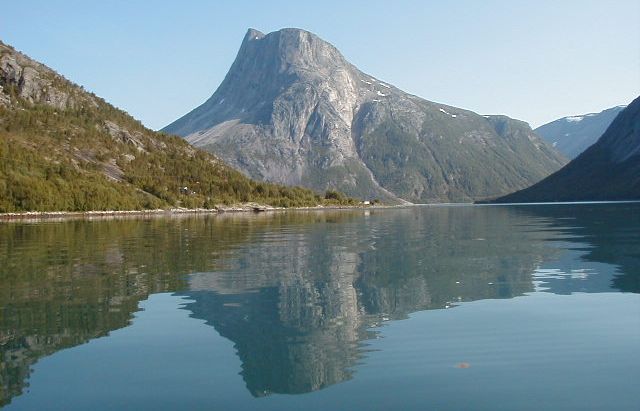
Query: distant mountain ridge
[
  {"x": 573, "y": 134},
  {"x": 608, "y": 170},
  {"x": 293, "y": 110}
]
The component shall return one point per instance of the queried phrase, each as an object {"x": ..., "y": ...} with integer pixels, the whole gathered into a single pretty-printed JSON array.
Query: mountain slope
[
  {"x": 292, "y": 109},
  {"x": 572, "y": 135},
  {"x": 62, "y": 148},
  {"x": 608, "y": 170}
]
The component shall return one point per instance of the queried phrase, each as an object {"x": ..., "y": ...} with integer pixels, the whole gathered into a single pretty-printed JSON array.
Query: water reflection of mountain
[
  {"x": 296, "y": 292},
  {"x": 298, "y": 305}
]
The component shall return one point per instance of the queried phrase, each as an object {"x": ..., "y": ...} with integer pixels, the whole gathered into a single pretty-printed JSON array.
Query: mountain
[
  {"x": 293, "y": 110},
  {"x": 64, "y": 149},
  {"x": 572, "y": 135},
  {"x": 608, "y": 170}
]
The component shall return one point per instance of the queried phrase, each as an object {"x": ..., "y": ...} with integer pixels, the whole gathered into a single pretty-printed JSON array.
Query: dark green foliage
[{"x": 336, "y": 196}]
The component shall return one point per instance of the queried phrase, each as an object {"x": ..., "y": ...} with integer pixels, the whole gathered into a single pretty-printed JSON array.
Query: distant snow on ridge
[
  {"x": 576, "y": 119},
  {"x": 575, "y": 133},
  {"x": 449, "y": 114}
]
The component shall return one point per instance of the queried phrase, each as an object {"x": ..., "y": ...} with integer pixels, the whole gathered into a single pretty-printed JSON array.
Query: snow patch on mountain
[{"x": 449, "y": 114}]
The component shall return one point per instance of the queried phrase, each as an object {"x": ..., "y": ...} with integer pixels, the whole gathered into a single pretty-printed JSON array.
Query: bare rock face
[
  {"x": 31, "y": 81},
  {"x": 123, "y": 135},
  {"x": 293, "y": 110}
]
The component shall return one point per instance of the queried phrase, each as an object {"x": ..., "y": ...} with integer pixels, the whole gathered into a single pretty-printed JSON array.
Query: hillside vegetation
[{"x": 63, "y": 149}]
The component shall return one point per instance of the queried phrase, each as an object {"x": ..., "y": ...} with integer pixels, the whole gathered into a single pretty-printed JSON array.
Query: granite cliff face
[
  {"x": 293, "y": 110},
  {"x": 574, "y": 134},
  {"x": 608, "y": 170}
]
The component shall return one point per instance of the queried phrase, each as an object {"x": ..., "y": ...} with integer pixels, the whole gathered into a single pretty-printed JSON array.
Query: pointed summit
[
  {"x": 287, "y": 50},
  {"x": 293, "y": 110},
  {"x": 264, "y": 66},
  {"x": 253, "y": 34}
]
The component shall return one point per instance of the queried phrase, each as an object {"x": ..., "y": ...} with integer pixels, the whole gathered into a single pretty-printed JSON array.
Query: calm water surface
[{"x": 485, "y": 307}]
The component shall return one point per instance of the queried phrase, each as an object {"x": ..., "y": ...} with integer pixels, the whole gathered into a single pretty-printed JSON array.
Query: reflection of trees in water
[
  {"x": 65, "y": 283},
  {"x": 295, "y": 292}
]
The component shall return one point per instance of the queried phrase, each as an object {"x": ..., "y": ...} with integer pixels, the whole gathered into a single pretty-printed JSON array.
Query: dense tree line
[{"x": 68, "y": 160}]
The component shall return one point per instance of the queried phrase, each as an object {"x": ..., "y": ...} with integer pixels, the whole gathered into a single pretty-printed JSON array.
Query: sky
[{"x": 531, "y": 60}]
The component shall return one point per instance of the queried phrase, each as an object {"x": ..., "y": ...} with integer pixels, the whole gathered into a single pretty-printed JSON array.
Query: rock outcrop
[{"x": 36, "y": 83}]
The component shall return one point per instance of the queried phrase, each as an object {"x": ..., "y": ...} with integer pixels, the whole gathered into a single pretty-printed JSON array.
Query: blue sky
[{"x": 535, "y": 61}]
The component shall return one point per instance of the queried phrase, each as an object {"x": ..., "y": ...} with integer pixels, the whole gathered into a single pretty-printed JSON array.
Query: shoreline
[
  {"x": 239, "y": 208},
  {"x": 248, "y": 208}
]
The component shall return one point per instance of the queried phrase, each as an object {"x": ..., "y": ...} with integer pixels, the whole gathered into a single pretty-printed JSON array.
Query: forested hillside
[{"x": 64, "y": 149}]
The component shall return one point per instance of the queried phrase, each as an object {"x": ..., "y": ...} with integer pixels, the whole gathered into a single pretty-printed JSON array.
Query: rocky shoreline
[{"x": 237, "y": 208}]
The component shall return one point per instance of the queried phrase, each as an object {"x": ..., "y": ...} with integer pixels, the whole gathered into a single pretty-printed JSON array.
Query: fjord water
[{"x": 458, "y": 307}]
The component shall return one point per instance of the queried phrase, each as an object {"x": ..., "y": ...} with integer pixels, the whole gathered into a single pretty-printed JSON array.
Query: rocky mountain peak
[
  {"x": 252, "y": 34},
  {"x": 290, "y": 49},
  {"x": 275, "y": 79},
  {"x": 293, "y": 110}
]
